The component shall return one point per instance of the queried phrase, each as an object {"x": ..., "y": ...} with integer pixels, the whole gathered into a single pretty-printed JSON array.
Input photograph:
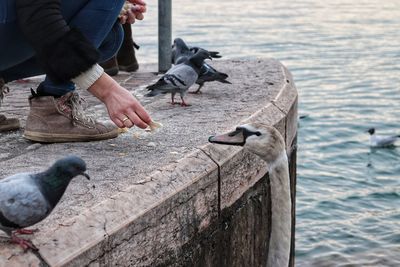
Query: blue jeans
[{"x": 96, "y": 19}]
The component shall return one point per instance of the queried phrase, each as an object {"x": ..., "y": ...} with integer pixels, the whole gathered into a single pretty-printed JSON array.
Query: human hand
[
  {"x": 133, "y": 10},
  {"x": 123, "y": 108}
]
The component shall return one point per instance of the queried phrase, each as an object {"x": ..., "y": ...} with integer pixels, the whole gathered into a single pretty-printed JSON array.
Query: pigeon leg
[
  {"x": 198, "y": 90},
  {"x": 184, "y": 104},
  {"x": 25, "y": 244},
  {"x": 173, "y": 99},
  {"x": 26, "y": 231}
]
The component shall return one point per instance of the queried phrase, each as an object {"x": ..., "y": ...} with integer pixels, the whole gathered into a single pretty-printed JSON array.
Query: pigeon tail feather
[{"x": 152, "y": 93}]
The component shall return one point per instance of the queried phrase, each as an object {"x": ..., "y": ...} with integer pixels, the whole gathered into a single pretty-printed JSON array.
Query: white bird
[
  {"x": 266, "y": 142},
  {"x": 381, "y": 141}
]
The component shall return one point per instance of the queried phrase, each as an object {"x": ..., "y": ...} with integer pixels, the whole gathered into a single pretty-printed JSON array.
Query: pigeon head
[
  {"x": 180, "y": 45},
  {"x": 371, "y": 131},
  {"x": 198, "y": 58},
  {"x": 54, "y": 181}
]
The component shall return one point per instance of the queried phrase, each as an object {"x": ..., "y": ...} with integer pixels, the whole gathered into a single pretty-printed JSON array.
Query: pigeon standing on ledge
[
  {"x": 26, "y": 198},
  {"x": 381, "y": 141},
  {"x": 180, "y": 77},
  {"x": 180, "y": 51}
]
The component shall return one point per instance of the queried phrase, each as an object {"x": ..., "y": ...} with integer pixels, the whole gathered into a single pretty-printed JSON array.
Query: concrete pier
[{"x": 166, "y": 198}]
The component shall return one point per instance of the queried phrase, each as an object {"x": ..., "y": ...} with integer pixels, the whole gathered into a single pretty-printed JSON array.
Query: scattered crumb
[
  {"x": 136, "y": 135},
  {"x": 153, "y": 126},
  {"x": 122, "y": 130},
  {"x": 151, "y": 144},
  {"x": 146, "y": 180}
]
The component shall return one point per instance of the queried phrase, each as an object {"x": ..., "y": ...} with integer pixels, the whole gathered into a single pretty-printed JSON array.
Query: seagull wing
[{"x": 383, "y": 140}]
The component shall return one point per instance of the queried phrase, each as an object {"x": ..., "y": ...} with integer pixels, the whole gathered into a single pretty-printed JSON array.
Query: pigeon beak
[
  {"x": 86, "y": 175},
  {"x": 235, "y": 138}
]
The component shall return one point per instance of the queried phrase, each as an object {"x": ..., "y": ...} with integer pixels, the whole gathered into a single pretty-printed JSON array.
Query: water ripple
[{"x": 344, "y": 57}]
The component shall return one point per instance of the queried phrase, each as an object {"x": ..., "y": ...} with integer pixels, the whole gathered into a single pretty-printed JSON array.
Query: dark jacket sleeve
[{"x": 64, "y": 53}]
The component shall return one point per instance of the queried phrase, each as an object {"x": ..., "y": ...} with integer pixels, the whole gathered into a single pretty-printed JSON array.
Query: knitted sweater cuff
[{"x": 89, "y": 77}]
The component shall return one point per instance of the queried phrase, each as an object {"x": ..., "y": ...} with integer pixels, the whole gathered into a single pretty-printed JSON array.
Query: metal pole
[{"x": 164, "y": 34}]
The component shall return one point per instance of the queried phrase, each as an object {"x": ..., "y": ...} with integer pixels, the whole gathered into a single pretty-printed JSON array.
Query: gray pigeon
[
  {"x": 26, "y": 198},
  {"x": 180, "y": 51},
  {"x": 180, "y": 77}
]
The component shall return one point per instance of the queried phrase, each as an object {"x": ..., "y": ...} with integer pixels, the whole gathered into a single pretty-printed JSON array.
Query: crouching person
[{"x": 65, "y": 40}]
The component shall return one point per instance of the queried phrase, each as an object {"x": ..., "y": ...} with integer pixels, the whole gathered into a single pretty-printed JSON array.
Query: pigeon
[
  {"x": 180, "y": 51},
  {"x": 180, "y": 77},
  {"x": 28, "y": 198},
  {"x": 381, "y": 141}
]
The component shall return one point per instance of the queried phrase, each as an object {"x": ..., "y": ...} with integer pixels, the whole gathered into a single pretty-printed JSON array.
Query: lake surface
[{"x": 345, "y": 60}]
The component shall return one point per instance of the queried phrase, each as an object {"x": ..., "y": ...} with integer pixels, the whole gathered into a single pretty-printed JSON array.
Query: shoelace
[
  {"x": 77, "y": 111},
  {"x": 3, "y": 90}
]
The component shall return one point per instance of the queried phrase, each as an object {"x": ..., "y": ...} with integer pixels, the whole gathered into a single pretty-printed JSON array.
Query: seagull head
[{"x": 371, "y": 131}]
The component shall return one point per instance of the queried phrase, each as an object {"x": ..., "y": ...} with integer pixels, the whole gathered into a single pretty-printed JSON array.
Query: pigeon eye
[{"x": 257, "y": 133}]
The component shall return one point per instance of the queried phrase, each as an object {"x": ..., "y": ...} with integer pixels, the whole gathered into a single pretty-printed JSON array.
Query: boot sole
[
  {"x": 10, "y": 125},
  {"x": 64, "y": 138},
  {"x": 130, "y": 68},
  {"x": 112, "y": 71}
]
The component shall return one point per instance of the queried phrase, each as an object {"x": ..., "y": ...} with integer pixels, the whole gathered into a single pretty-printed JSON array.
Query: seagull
[
  {"x": 381, "y": 141},
  {"x": 28, "y": 198},
  {"x": 180, "y": 77},
  {"x": 267, "y": 143},
  {"x": 180, "y": 51}
]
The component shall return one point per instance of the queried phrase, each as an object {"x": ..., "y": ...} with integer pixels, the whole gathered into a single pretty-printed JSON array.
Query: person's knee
[
  {"x": 108, "y": 4},
  {"x": 112, "y": 43}
]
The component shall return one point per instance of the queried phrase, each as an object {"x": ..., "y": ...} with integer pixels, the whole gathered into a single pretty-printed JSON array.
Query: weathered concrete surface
[{"x": 155, "y": 199}]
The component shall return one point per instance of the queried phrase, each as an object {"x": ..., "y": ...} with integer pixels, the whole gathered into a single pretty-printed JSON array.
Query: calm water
[{"x": 345, "y": 59}]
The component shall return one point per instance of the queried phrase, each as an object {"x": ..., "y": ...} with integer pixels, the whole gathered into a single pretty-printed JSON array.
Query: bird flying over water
[
  {"x": 180, "y": 51},
  {"x": 180, "y": 77},
  {"x": 381, "y": 141},
  {"x": 28, "y": 198}
]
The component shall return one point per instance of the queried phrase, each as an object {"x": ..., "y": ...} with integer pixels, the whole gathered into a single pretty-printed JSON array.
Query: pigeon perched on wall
[
  {"x": 180, "y": 77},
  {"x": 180, "y": 51},
  {"x": 27, "y": 198},
  {"x": 381, "y": 141}
]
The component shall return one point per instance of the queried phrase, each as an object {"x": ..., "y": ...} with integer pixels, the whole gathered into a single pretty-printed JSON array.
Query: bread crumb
[
  {"x": 153, "y": 126},
  {"x": 122, "y": 130}
]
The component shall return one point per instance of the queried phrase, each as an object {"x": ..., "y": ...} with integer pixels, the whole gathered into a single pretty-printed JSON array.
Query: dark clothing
[{"x": 62, "y": 41}]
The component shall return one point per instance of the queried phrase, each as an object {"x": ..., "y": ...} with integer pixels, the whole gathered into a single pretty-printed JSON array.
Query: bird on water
[
  {"x": 381, "y": 141},
  {"x": 266, "y": 142}
]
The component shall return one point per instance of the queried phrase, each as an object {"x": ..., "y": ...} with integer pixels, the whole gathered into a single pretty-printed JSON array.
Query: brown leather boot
[
  {"x": 126, "y": 55},
  {"x": 110, "y": 66},
  {"x": 6, "y": 124},
  {"x": 56, "y": 120}
]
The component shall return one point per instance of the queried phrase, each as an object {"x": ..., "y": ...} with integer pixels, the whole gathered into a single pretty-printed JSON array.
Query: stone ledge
[{"x": 147, "y": 223}]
